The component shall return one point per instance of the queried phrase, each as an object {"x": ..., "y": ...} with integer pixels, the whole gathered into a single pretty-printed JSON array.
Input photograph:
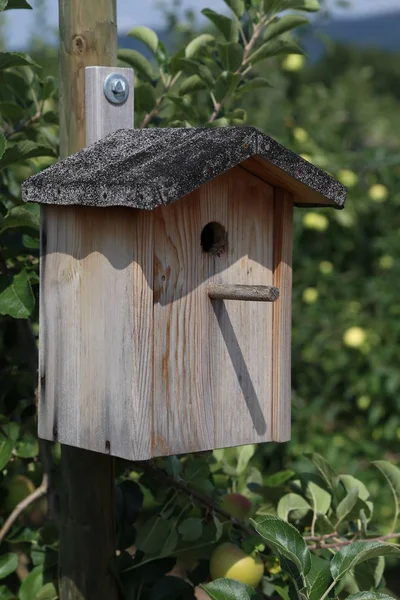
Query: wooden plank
[
  {"x": 97, "y": 354},
  {"x": 212, "y": 360},
  {"x": 182, "y": 403},
  {"x": 282, "y": 315},
  {"x": 88, "y": 36},
  {"x": 302, "y": 194}
]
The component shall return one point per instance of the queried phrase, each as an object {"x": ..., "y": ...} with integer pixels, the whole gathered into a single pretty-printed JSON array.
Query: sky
[{"x": 20, "y": 23}]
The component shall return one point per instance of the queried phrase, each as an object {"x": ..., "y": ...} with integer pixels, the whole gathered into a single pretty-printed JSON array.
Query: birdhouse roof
[{"x": 146, "y": 168}]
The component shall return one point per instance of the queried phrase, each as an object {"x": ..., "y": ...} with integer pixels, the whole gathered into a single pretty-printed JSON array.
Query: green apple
[
  {"x": 386, "y": 261},
  {"x": 310, "y": 295},
  {"x": 354, "y": 337},
  {"x": 363, "y": 402},
  {"x": 378, "y": 192},
  {"x": 293, "y": 62},
  {"x": 228, "y": 560},
  {"x": 348, "y": 178},
  {"x": 313, "y": 220},
  {"x": 326, "y": 267},
  {"x": 237, "y": 505},
  {"x": 300, "y": 135}
]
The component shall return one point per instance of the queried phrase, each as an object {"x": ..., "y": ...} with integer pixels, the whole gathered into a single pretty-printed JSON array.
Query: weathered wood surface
[
  {"x": 96, "y": 355},
  {"x": 282, "y": 315},
  {"x": 209, "y": 389},
  {"x": 88, "y": 36},
  {"x": 255, "y": 293}
]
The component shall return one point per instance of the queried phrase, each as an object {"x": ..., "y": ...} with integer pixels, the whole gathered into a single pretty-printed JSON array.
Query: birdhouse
[{"x": 166, "y": 277}]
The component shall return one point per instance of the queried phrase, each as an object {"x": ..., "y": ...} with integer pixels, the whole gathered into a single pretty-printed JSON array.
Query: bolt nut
[{"x": 116, "y": 88}]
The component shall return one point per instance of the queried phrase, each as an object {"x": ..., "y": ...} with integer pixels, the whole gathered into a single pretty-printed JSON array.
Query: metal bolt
[{"x": 116, "y": 88}]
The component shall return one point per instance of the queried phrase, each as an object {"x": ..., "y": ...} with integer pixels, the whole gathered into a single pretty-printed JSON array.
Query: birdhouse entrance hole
[{"x": 214, "y": 238}]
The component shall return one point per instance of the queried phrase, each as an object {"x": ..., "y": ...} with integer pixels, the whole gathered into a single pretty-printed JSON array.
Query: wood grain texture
[
  {"x": 302, "y": 194},
  {"x": 88, "y": 36},
  {"x": 212, "y": 360},
  {"x": 96, "y": 356},
  {"x": 254, "y": 293},
  {"x": 282, "y": 315}
]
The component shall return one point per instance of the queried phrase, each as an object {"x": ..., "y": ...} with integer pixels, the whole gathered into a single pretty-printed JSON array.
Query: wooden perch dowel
[{"x": 257, "y": 293}]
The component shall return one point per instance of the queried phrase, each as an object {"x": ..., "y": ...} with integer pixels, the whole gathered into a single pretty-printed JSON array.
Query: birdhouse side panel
[
  {"x": 282, "y": 315},
  {"x": 213, "y": 358},
  {"x": 96, "y": 329}
]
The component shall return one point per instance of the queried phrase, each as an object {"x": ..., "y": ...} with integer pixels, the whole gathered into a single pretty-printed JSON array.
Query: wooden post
[{"x": 88, "y": 37}]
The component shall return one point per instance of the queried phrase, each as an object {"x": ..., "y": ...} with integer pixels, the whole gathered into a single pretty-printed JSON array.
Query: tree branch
[
  {"x": 23, "y": 505},
  {"x": 182, "y": 486}
]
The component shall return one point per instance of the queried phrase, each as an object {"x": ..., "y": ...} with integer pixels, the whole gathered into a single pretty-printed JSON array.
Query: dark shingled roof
[{"x": 149, "y": 167}]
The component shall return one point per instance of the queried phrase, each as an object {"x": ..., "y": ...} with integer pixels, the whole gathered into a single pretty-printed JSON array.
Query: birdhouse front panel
[
  {"x": 209, "y": 388},
  {"x": 166, "y": 281}
]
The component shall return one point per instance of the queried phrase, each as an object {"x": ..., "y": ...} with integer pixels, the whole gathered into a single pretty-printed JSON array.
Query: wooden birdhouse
[{"x": 166, "y": 276}]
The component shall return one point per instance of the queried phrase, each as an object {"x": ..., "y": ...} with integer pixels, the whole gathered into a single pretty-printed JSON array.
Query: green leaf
[
  {"x": 231, "y": 55},
  {"x": 307, "y": 5},
  {"x": 16, "y": 296},
  {"x": 273, "y": 48},
  {"x": 196, "y": 45},
  {"x": 3, "y": 145},
  {"x": 238, "y": 116},
  {"x": 5, "y": 593},
  {"x": 285, "y": 23},
  {"x": 229, "y": 589},
  {"x": 11, "y": 111},
  {"x": 8, "y": 564},
  {"x": 295, "y": 504},
  {"x": 279, "y": 478},
  {"x": 392, "y": 476},
  {"x": 191, "y": 529},
  {"x": 15, "y": 59},
  {"x": 153, "y": 535},
  {"x": 194, "y": 67},
  {"x": 24, "y": 150},
  {"x": 11, "y": 4},
  {"x": 48, "y": 592},
  {"x": 368, "y": 575},
  {"x": 369, "y": 596},
  {"x": 147, "y": 36},
  {"x": 249, "y": 86},
  {"x": 22, "y": 217},
  {"x": 138, "y": 62},
  {"x": 32, "y": 584},
  {"x": 226, "y": 85},
  {"x": 318, "y": 578},
  {"x": 350, "y": 482},
  {"x": 244, "y": 454},
  {"x": 345, "y": 507},
  {"x": 145, "y": 97},
  {"x": 285, "y": 541},
  {"x": 236, "y": 6},
  {"x": 228, "y": 27},
  {"x": 6, "y": 449},
  {"x": 320, "y": 499},
  {"x": 324, "y": 469},
  {"x": 350, "y": 556},
  {"x": 192, "y": 84},
  {"x": 28, "y": 446}
]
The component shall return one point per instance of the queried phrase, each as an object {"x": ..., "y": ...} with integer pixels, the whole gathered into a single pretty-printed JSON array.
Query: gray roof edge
[{"x": 147, "y": 168}]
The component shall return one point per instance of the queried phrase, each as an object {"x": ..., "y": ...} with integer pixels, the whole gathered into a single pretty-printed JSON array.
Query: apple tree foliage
[{"x": 321, "y": 534}]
